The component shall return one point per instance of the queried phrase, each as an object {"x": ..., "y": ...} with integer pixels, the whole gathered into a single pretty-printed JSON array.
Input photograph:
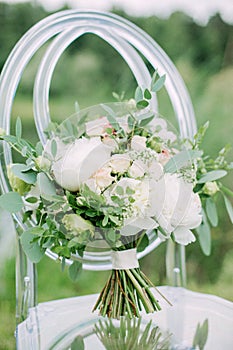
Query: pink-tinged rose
[
  {"x": 119, "y": 163},
  {"x": 164, "y": 156},
  {"x": 98, "y": 127},
  {"x": 138, "y": 143}
]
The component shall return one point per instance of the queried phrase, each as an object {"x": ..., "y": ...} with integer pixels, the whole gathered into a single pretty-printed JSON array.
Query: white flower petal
[{"x": 183, "y": 235}]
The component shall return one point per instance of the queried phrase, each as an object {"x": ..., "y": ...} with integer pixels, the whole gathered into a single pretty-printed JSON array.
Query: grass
[{"x": 213, "y": 101}]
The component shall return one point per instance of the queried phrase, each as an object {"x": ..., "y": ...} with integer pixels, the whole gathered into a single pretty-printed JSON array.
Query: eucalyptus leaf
[
  {"x": 229, "y": 208},
  {"x": 31, "y": 248},
  {"x": 211, "y": 212},
  {"x": 24, "y": 173},
  {"x": 74, "y": 270},
  {"x": 159, "y": 83},
  {"x": 54, "y": 148},
  {"x": 181, "y": 159},
  {"x": 11, "y": 202},
  {"x": 46, "y": 186},
  {"x": 111, "y": 117},
  {"x": 147, "y": 94},
  {"x": 204, "y": 235},
  {"x": 138, "y": 94},
  {"x": 142, "y": 104},
  {"x": 212, "y": 176},
  {"x": 18, "y": 128}
]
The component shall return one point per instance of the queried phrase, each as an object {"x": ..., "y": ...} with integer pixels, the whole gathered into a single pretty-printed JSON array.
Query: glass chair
[{"x": 136, "y": 48}]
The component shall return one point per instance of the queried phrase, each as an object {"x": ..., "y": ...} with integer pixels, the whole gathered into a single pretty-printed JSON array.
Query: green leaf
[
  {"x": 144, "y": 242},
  {"x": 204, "y": 235},
  {"x": 201, "y": 335},
  {"x": 211, "y": 212},
  {"x": 142, "y": 104},
  {"x": 105, "y": 221},
  {"x": 181, "y": 159},
  {"x": 74, "y": 270},
  {"x": 111, "y": 117},
  {"x": 18, "y": 128},
  {"x": 159, "y": 83},
  {"x": 144, "y": 122},
  {"x": 11, "y": 202},
  {"x": 54, "y": 148},
  {"x": 229, "y": 208},
  {"x": 32, "y": 200},
  {"x": 24, "y": 173},
  {"x": 212, "y": 175},
  {"x": 46, "y": 186},
  {"x": 31, "y": 248},
  {"x": 120, "y": 190},
  {"x": 147, "y": 94},
  {"x": 78, "y": 343},
  {"x": 138, "y": 94}
]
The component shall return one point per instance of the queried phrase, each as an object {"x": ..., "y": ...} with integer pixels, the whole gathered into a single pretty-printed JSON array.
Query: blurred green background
[{"x": 88, "y": 72}]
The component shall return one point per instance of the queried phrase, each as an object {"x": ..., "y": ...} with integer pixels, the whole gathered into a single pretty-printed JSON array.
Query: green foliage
[
  {"x": 201, "y": 335},
  {"x": 11, "y": 201}
]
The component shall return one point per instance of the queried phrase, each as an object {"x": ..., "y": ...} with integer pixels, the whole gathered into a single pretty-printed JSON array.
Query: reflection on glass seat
[{"x": 56, "y": 324}]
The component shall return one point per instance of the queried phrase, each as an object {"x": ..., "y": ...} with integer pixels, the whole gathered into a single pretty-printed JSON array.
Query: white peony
[
  {"x": 177, "y": 208},
  {"x": 79, "y": 161}
]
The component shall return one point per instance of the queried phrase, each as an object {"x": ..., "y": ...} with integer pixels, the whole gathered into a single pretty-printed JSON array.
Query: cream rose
[
  {"x": 137, "y": 169},
  {"x": 119, "y": 163},
  {"x": 79, "y": 162},
  {"x": 138, "y": 143},
  {"x": 103, "y": 177}
]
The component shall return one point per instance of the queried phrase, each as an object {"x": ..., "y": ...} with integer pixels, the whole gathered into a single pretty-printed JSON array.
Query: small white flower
[
  {"x": 120, "y": 163},
  {"x": 138, "y": 143}
]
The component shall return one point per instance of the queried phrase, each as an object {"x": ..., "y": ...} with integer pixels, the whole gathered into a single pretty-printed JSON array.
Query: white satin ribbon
[{"x": 124, "y": 259}]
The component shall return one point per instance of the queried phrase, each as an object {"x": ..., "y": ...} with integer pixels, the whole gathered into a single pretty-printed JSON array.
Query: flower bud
[
  {"x": 17, "y": 184},
  {"x": 77, "y": 224},
  {"x": 210, "y": 188}
]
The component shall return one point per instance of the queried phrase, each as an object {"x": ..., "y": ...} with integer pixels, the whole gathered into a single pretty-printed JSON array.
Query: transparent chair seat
[{"x": 60, "y": 30}]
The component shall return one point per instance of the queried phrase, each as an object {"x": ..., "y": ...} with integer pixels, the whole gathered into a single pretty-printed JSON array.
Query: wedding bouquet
[{"x": 111, "y": 174}]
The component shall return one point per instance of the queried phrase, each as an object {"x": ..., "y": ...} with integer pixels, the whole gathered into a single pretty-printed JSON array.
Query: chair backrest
[{"x": 134, "y": 45}]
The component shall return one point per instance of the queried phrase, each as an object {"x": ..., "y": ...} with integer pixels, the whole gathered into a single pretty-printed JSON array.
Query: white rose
[
  {"x": 110, "y": 142},
  {"x": 137, "y": 169},
  {"x": 120, "y": 163},
  {"x": 97, "y": 127},
  {"x": 103, "y": 177},
  {"x": 138, "y": 143},
  {"x": 79, "y": 162},
  {"x": 178, "y": 208}
]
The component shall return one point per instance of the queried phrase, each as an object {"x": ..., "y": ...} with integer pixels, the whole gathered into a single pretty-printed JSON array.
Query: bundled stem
[{"x": 126, "y": 292}]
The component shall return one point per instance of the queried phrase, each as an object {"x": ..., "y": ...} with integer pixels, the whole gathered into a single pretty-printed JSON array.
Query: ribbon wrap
[{"x": 124, "y": 259}]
